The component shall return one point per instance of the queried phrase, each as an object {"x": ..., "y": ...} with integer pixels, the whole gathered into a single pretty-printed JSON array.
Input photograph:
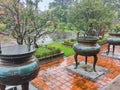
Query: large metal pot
[
  {"x": 113, "y": 39},
  {"x": 17, "y": 66},
  {"x": 16, "y": 74},
  {"x": 86, "y": 46}
]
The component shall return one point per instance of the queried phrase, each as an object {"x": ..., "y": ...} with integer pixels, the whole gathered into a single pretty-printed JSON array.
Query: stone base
[
  {"x": 86, "y": 70},
  {"x": 116, "y": 55}
]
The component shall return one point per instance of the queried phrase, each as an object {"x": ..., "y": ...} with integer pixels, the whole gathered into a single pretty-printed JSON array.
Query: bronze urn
[
  {"x": 113, "y": 39},
  {"x": 86, "y": 46},
  {"x": 18, "y": 66}
]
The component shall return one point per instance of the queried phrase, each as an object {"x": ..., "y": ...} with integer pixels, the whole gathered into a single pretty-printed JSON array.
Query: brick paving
[{"x": 55, "y": 76}]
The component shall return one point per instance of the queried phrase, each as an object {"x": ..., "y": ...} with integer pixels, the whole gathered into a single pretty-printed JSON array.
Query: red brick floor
[{"x": 54, "y": 76}]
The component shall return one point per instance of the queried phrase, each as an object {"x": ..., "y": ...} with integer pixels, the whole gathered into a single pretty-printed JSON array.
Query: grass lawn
[
  {"x": 68, "y": 51},
  {"x": 103, "y": 40}
]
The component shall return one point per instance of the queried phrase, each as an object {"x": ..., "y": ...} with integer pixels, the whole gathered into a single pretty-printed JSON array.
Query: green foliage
[
  {"x": 70, "y": 27},
  {"x": 69, "y": 42},
  {"x": 61, "y": 26},
  {"x": 58, "y": 12},
  {"x": 24, "y": 18},
  {"x": 103, "y": 40},
  {"x": 72, "y": 41},
  {"x": 68, "y": 51},
  {"x": 63, "y": 3},
  {"x": 116, "y": 28},
  {"x": 45, "y": 50},
  {"x": 41, "y": 52},
  {"x": 88, "y": 15},
  {"x": 2, "y": 27},
  {"x": 114, "y": 4}
]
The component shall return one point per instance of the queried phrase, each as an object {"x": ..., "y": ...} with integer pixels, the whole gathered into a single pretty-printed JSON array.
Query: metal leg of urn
[
  {"x": 75, "y": 57},
  {"x": 95, "y": 61},
  {"x": 108, "y": 49},
  {"x": 85, "y": 59},
  {"x": 2, "y": 87},
  {"x": 25, "y": 86},
  {"x": 113, "y": 49}
]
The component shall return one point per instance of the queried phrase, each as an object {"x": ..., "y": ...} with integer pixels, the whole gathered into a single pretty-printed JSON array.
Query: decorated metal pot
[
  {"x": 87, "y": 46},
  {"x": 17, "y": 65},
  {"x": 114, "y": 38}
]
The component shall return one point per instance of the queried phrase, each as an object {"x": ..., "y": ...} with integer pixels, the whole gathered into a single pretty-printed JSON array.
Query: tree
[
  {"x": 59, "y": 9},
  {"x": 25, "y": 19},
  {"x": 90, "y": 15},
  {"x": 63, "y": 3},
  {"x": 115, "y": 5}
]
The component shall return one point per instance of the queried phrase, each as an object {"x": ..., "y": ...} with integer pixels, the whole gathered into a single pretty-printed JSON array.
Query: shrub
[
  {"x": 2, "y": 27},
  {"x": 45, "y": 50},
  {"x": 103, "y": 40},
  {"x": 68, "y": 51},
  {"x": 69, "y": 42}
]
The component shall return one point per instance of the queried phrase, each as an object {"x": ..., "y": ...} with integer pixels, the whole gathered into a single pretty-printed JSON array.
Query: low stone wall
[{"x": 50, "y": 58}]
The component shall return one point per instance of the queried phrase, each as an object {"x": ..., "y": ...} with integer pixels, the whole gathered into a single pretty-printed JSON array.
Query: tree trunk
[{"x": 20, "y": 41}]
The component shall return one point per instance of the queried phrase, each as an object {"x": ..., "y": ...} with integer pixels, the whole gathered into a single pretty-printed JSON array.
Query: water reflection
[{"x": 45, "y": 39}]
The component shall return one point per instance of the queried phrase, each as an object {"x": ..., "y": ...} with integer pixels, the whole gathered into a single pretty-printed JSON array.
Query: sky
[{"x": 44, "y": 4}]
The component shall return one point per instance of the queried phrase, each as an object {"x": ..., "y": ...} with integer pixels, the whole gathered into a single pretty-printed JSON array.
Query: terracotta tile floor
[{"x": 54, "y": 76}]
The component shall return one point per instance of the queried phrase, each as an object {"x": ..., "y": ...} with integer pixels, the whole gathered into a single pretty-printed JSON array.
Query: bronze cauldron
[
  {"x": 86, "y": 46},
  {"x": 113, "y": 39},
  {"x": 17, "y": 66}
]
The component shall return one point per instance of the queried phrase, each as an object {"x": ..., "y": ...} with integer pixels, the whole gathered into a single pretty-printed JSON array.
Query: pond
[{"x": 44, "y": 40}]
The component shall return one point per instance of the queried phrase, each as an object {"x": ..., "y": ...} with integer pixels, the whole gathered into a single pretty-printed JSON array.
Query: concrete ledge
[
  {"x": 116, "y": 55},
  {"x": 50, "y": 58},
  {"x": 113, "y": 85}
]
